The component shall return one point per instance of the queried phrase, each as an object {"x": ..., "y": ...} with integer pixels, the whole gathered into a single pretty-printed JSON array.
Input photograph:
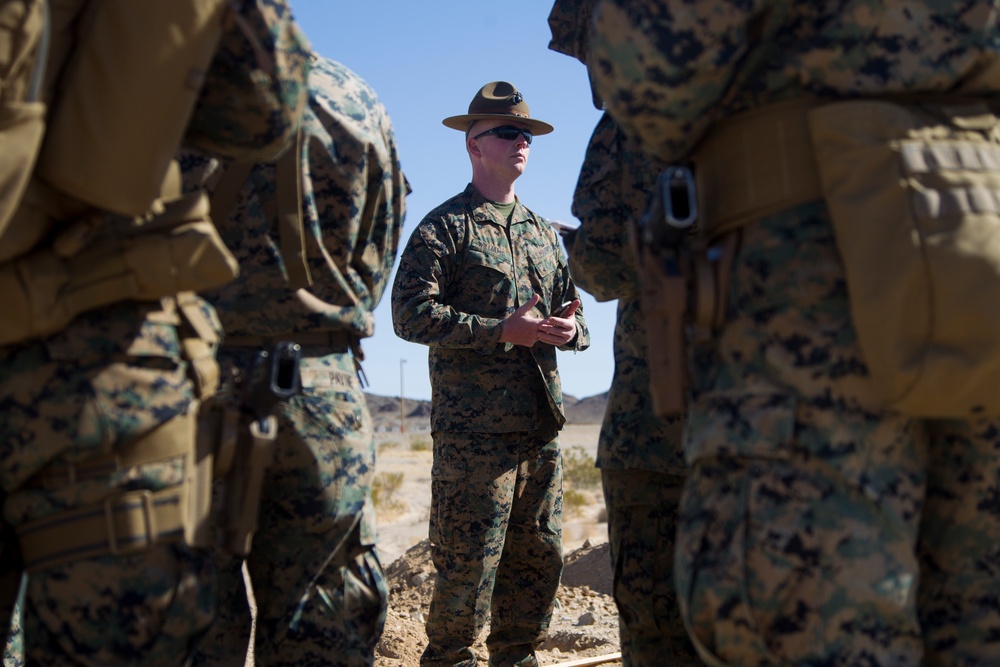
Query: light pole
[{"x": 402, "y": 412}]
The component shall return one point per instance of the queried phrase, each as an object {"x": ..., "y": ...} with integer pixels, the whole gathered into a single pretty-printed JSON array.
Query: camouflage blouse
[
  {"x": 668, "y": 69},
  {"x": 464, "y": 270}
]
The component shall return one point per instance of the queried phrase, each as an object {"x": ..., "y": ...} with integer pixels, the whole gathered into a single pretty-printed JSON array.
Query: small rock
[
  {"x": 419, "y": 578},
  {"x": 587, "y": 618}
]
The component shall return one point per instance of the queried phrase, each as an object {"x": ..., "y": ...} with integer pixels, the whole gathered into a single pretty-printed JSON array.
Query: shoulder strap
[{"x": 291, "y": 235}]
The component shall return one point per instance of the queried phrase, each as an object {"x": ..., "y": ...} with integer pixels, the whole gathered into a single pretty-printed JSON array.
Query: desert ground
[
  {"x": 584, "y": 628},
  {"x": 403, "y": 517}
]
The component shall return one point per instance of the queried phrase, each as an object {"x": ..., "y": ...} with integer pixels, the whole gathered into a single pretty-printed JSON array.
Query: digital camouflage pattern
[
  {"x": 668, "y": 69},
  {"x": 639, "y": 454},
  {"x": 611, "y": 192},
  {"x": 255, "y": 88},
  {"x": 496, "y": 526},
  {"x": 810, "y": 515},
  {"x": 108, "y": 378},
  {"x": 320, "y": 592},
  {"x": 459, "y": 277}
]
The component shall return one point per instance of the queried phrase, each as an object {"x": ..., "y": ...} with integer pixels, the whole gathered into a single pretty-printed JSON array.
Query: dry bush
[{"x": 384, "y": 489}]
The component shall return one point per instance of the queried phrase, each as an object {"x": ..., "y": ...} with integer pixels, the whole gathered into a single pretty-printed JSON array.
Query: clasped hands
[{"x": 521, "y": 328}]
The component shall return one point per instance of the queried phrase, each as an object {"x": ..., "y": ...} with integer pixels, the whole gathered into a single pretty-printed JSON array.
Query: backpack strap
[
  {"x": 291, "y": 235},
  {"x": 288, "y": 186}
]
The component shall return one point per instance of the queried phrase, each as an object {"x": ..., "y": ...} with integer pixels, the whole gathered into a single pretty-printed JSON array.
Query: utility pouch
[
  {"x": 914, "y": 195},
  {"x": 99, "y": 261},
  {"x": 125, "y": 99}
]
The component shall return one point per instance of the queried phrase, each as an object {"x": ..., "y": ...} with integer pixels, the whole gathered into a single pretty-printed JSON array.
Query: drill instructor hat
[{"x": 498, "y": 100}]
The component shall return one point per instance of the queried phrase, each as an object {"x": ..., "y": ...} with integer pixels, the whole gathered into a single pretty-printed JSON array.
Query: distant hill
[{"x": 386, "y": 414}]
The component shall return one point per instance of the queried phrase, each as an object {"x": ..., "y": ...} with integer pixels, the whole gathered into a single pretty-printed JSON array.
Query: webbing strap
[
  {"x": 123, "y": 524},
  {"x": 291, "y": 235},
  {"x": 288, "y": 187},
  {"x": 755, "y": 164},
  {"x": 171, "y": 439},
  {"x": 227, "y": 190}
]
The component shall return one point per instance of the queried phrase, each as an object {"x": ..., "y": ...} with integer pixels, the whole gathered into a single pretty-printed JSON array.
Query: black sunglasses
[{"x": 508, "y": 133}]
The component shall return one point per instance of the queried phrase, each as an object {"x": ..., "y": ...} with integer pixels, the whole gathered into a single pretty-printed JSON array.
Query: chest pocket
[
  {"x": 544, "y": 260},
  {"x": 484, "y": 281}
]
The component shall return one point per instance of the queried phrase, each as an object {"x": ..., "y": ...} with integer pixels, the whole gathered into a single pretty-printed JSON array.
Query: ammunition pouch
[
  {"x": 912, "y": 185},
  {"x": 101, "y": 259},
  {"x": 129, "y": 522}
]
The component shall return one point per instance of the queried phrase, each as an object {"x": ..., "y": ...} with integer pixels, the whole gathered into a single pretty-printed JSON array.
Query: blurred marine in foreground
[
  {"x": 842, "y": 428},
  {"x": 106, "y": 351},
  {"x": 315, "y": 235},
  {"x": 639, "y": 453}
]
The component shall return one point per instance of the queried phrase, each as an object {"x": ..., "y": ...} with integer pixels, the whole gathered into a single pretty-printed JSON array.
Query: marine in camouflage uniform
[
  {"x": 320, "y": 594},
  {"x": 475, "y": 273},
  {"x": 639, "y": 454},
  {"x": 74, "y": 402},
  {"x": 816, "y": 527}
]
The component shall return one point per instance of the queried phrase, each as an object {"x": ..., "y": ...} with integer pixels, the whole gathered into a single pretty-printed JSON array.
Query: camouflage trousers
[
  {"x": 105, "y": 381},
  {"x": 320, "y": 593},
  {"x": 642, "y": 523},
  {"x": 816, "y": 528},
  {"x": 496, "y": 531}
]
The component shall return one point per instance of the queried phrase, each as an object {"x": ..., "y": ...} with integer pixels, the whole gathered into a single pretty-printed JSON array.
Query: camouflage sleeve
[
  {"x": 662, "y": 66},
  {"x": 256, "y": 87},
  {"x": 598, "y": 257},
  {"x": 420, "y": 313}
]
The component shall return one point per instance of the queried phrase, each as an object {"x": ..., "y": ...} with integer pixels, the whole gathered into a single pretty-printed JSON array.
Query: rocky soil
[{"x": 585, "y": 622}]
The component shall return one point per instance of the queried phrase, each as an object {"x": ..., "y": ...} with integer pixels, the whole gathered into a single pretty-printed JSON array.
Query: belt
[
  {"x": 335, "y": 341},
  {"x": 754, "y": 164},
  {"x": 128, "y": 523}
]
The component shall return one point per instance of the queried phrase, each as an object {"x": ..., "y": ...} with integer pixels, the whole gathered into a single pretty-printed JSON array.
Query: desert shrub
[
  {"x": 384, "y": 488},
  {"x": 574, "y": 502},
  {"x": 578, "y": 469},
  {"x": 420, "y": 445}
]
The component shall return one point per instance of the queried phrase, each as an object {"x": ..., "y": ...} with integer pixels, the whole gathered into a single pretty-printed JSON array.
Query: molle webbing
[{"x": 755, "y": 164}]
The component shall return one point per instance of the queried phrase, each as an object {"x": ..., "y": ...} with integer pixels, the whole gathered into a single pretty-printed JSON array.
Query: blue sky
[{"x": 426, "y": 60}]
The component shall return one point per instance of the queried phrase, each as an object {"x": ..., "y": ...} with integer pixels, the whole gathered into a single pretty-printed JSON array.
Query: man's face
[{"x": 498, "y": 153}]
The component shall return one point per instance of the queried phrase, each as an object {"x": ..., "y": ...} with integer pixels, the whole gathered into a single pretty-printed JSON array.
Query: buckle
[{"x": 126, "y": 505}]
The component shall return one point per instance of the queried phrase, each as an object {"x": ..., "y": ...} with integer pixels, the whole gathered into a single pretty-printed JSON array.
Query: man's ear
[{"x": 473, "y": 147}]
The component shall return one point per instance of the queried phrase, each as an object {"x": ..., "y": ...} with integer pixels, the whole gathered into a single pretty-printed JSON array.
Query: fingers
[
  {"x": 571, "y": 310},
  {"x": 531, "y": 303}
]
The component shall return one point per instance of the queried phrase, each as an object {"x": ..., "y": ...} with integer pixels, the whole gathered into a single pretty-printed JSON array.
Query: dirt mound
[{"x": 584, "y": 624}]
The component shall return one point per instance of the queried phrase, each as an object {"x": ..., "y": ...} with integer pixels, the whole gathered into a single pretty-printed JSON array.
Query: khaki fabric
[
  {"x": 125, "y": 100},
  {"x": 914, "y": 194},
  {"x": 24, "y": 34},
  {"x": 88, "y": 267}
]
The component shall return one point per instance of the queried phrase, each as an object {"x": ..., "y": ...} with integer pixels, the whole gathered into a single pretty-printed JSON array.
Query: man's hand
[
  {"x": 559, "y": 330},
  {"x": 520, "y": 328}
]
